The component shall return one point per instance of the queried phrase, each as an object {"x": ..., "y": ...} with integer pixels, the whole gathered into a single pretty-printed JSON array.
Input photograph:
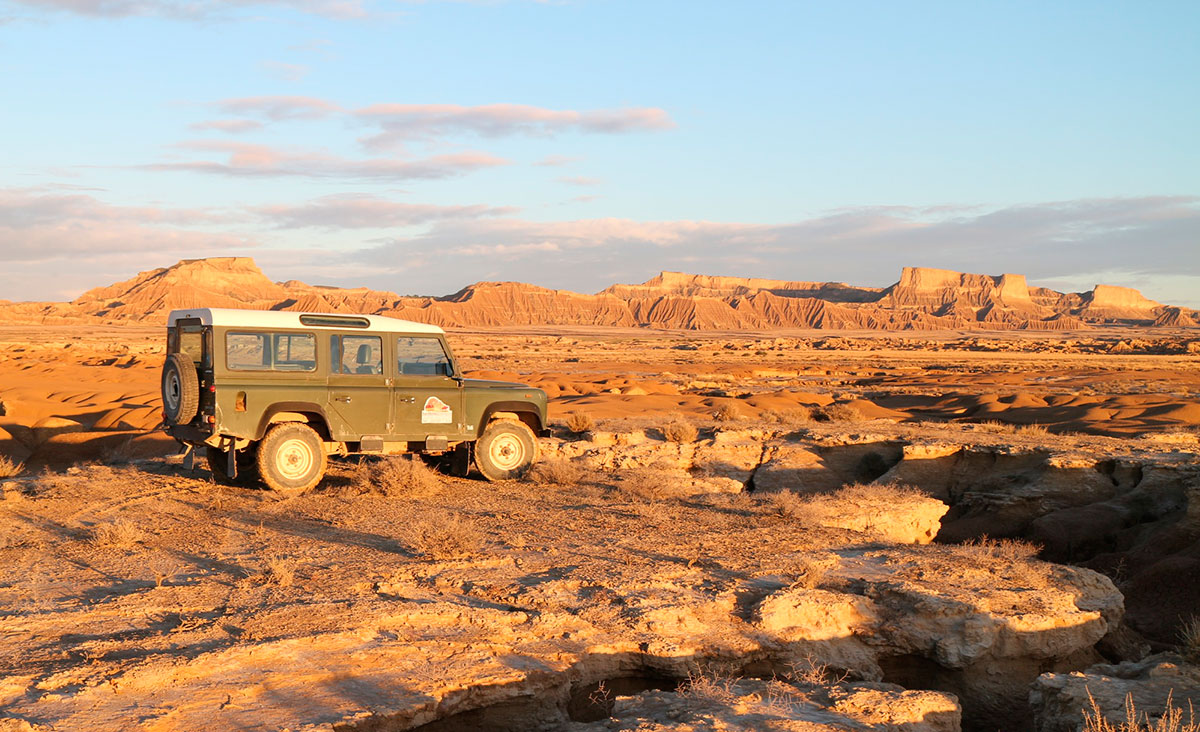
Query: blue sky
[{"x": 421, "y": 146}]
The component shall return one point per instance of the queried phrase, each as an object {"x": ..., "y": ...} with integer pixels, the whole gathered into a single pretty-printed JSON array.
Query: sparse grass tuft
[
  {"x": 559, "y": 472},
  {"x": 728, "y": 412},
  {"x": 877, "y": 492},
  {"x": 787, "y": 417},
  {"x": 10, "y": 467},
  {"x": 1006, "y": 549},
  {"x": 445, "y": 537},
  {"x": 121, "y": 534},
  {"x": 1189, "y": 637},
  {"x": 1172, "y": 719},
  {"x": 1032, "y": 430},
  {"x": 812, "y": 672},
  {"x": 395, "y": 476},
  {"x": 280, "y": 571},
  {"x": 680, "y": 431},
  {"x": 578, "y": 422}
]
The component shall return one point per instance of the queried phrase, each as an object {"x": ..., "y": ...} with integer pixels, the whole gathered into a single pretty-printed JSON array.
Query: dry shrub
[
  {"x": 810, "y": 573},
  {"x": 122, "y": 453},
  {"x": 553, "y": 472},
  {"x": 1172, "y": 719},
  {"x": 994, "y": 427},
  {"x": 578, "y": 422},
  {"x": 877, "y": 493},
  {"x": 1032, "y": 430},
  {"x": 786, "y": 504},
  {"x": 841, "y": 412},
  {"x": 651, "y": 484},
  {"x": 728, "y": 412},
  {"x": 395, "y": 476},
  {"x": 121, "y": 534},
  {"x": 280, "y": 571},
  {"x": 710, "y": 687},
  {"x": 446, "y": 537},
  {"x": 1007, "y": 549},
  {"x": 1189, "y": 637},
  {"x": 680, "y": 430},
  {"x": 10, "y": 467},
  {"x": 812, "y": 672},
  {"x": 787, "y": 417}
]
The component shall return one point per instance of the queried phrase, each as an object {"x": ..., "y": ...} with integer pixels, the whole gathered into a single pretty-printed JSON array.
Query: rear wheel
[
  {"x": 291, "y": 459},
  {"x": 180, "y": 389},
  {"x": 505, "y": 450}
]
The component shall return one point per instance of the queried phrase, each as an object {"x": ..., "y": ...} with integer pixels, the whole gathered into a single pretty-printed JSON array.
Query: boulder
[{"x": 1060, "y": 700}]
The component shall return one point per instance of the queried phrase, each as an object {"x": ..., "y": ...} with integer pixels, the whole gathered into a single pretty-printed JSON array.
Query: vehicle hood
[{"x": 488, "y": 384}]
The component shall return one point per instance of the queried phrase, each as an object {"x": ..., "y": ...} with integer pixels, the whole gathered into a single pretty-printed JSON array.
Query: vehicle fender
[
  {"x": 308, "y": 412},
  {"x": 523, "y": 411}
]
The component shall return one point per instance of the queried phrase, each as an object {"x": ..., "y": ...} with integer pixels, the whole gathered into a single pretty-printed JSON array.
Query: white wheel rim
[
  {"x": 506, "y": 452},
  {"x": 294, "y": 459},
  {"x": 173, "y": 390}
]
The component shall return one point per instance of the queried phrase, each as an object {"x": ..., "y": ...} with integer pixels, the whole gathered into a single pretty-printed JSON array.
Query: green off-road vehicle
[{"x": 274, "y": 394}]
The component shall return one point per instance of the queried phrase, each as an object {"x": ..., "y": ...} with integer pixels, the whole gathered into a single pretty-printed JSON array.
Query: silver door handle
[
  {"x": 343, "y": 400},
  {"x": 407, "y": 400}
]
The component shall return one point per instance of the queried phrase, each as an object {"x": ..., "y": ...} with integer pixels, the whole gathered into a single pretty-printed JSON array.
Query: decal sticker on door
[{"x": 436, "y": 411}]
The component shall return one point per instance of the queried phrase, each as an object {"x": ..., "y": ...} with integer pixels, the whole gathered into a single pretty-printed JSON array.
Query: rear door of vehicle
[{"x": 359, "y": 394}]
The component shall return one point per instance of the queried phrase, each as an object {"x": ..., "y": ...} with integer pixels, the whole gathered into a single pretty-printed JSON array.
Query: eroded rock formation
[{"x": 923, "y": 299}]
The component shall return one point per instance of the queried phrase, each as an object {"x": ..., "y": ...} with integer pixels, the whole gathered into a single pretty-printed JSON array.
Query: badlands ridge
[{"x": 923, "y": 299}]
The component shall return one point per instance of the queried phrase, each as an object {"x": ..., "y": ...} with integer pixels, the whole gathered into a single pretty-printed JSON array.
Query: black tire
[
  {"x": 218, "y": 463},
  {"x": 291, "y": 459},
  {"x": 180, "y": 389},
  {"x": 505, "y": 450}
]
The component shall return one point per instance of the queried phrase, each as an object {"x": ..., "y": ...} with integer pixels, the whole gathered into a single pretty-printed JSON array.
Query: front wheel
[
  {"x": 505, "y": 450},
  {"x": 291, "y": 459}
]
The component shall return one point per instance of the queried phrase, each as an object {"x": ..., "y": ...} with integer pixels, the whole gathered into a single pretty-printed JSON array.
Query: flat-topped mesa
[
  {"x": 944, "y": 292},
  {"x": 691, "y": 285},
  {"x": 1110, "y": 302}
]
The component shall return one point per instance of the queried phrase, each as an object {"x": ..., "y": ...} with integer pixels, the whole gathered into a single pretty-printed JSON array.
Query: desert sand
[{"x": 797, "y": 529}]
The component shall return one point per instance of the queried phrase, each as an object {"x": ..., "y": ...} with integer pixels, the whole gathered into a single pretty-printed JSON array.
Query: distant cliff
[{"x": 923, "y": 299}]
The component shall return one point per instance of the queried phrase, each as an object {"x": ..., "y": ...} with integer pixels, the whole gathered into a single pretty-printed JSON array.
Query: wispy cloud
[
  {"x": 285, "y": 71},
  {"x": 363, "y": 211},
  {"x": 580, "y": 180},
  {"x": 278, "y": 108},
  {"x": 402, "y": 122},
  {"x": 1147, "y": 242},
  {"x": 248, "y": 160},
  {"x": 190, "y": 9},
  {"x": 38, "y": 225},
  {"x": 1151, "y": 237},
  {"x": 232, "y": 126},
  {"x": 556, "y": 160}
]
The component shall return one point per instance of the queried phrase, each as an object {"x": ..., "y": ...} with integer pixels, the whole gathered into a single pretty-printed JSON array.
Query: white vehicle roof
[{"x": 286, "y": 319}]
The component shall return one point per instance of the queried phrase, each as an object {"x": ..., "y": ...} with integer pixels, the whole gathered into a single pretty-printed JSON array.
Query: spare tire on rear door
[{"x": 180, "y": 389}]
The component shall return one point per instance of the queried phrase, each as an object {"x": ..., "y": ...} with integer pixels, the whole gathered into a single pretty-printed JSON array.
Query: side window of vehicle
[
  {"x": 416, "y": 356},
  {"x": 246, "y": 351},
  {"x": 270, "y": 351},
  {"x": 360, "y": 354}
]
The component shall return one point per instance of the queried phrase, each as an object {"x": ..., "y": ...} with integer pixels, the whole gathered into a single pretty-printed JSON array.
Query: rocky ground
[{"x": 722, "y": 547}]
